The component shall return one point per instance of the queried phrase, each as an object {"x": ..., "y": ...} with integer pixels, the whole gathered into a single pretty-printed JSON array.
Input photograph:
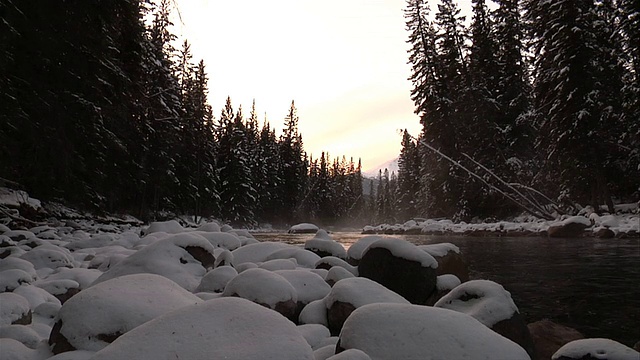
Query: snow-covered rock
[
  {"x": 314, "y": 334},
  {"x": 303, "y": 228},
  {"x": 304, "y": 258},
  {"x": 329, "y": 262},
  {"x": 14, "y": 309},
  {"x": 216, "y": 280},
  {"x": 169, "y": 227},
  {"x": 491, "y": 304},
  {"x": 401, "y": 331},
  {"x": 265, "y": 288},
  {"x": 601, "y": 349},
  {"x": 98, "y": 315},
  {"x": 336, "y": 274},
  {"x": 323, "y": 245},
  {"x": 183, "y": 258},
  {"x": 230, "y": 328},
  {"x": 257, "y": 253},
  {"x": 402, "y": 267},
  {"x": 354, "y": 254},
  {"x": 449, "y": 258},
  {"x": 23, "y": 334},
  {"x": 349, "y": 294}
]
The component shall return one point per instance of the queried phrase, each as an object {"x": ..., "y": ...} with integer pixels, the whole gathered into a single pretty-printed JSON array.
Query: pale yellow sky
[{"x": 344, "y": 62}]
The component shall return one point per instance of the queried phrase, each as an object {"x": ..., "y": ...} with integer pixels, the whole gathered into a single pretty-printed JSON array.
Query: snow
[
  {"x": 256, "y": 253},
  {"x": 324, "y": 352},
  {"x": 359, "y": 291},
  {"x": 338, "y": 273},
  {"x": 485, "y": 300},
  {"x": 14, "y": 350},
  {"x": 169, "y": 227},
  {"x": 118, "y": 305},
  {"x": 216, "y": 279},
  {"x": 358, "y": 248},
  {"x": 230, "y": 328},
  {"x": 577, "y": 220},
  {"x": 12, "y": 308},
  {"x": 224, "y": 240},
  {"x": 13, "y": 278},
  {"x": 14, "y": 198},
  {"x": 326, "y": 245},
  {"x": 309, "y": 286},
  {"x": 314, "y": 313},
  {"x": 304, "y": 228},
  {"x": 351, "y": 354},
  {"x": 447, "y": 282},
  {"x": 261, "y": 286},
  {"x": 439, "y": 250},
  {"x": 167, "y": 257},
  {"x": 304, "y": 258},
  {"x": 596, "y": 349},
  {"x": 403, "y": 331},
  {"x": 46, "y": 257},
  {"x": 332, "y": 261},
  {"x": 314, "y": 334},
  {"x": 36, "y": 296},
  {"x": 21, "y": 333},
  {"x": 279, "y": 264},
  {"x": 209, "y": 227},
  {"x": 405, "y": 250}
]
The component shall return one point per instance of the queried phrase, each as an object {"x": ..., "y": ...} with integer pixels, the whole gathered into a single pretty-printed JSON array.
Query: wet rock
[
  {"x": 605, "y": 233},
  {"x": 548, "y": 337},
  {"x": 570, "y": 228}
]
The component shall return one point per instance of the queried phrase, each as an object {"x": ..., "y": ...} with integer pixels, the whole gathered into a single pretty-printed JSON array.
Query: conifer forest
[{"x": 99, "y": 108}]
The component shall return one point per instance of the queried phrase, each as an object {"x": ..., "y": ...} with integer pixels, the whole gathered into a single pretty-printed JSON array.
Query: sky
[{"x": 343, "y": 62}]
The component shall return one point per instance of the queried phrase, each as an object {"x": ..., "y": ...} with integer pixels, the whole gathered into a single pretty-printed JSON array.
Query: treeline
[
  {"x": 99, "y": 110},
  {"x": 541, "y": 93}
]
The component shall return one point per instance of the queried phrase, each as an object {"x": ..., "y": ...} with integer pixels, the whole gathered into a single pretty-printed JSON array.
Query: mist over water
[{"x": 592, "y": 285}]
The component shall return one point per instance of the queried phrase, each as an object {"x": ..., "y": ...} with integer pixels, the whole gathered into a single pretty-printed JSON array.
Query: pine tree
[
  {"x": 293, "y": 167},
  {"x": 269, "y": 175},
  {"x": 408, "y": 178},
  {"x": 576, "y": 117}
]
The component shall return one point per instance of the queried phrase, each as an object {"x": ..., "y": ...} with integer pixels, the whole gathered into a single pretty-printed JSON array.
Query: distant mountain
[{"x": 391, "y": 165}]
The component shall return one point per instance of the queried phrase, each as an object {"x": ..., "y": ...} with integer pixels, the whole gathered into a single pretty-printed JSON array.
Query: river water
[{"x": 592, "y": 285}]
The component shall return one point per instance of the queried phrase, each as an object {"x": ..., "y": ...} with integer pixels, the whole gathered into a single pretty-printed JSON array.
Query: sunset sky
[{"x": 344, "y": 62}]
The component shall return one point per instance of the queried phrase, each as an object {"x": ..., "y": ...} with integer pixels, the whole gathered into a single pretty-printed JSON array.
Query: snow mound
[
  {"x": 439, "y": 250},
  {"x": 338, "y": 273},
  {"x": 485, "y": 300},
  {"x": 358, "y": 248},
  {"x": 11, "y": 349},
  {"x": 230, "y": 328},
  {"x": 257, "y": 253},
  {"x": 329, "y": 262},
  {"x": 209, "y": 227},
  {"x": 596, "y": 349},
  {"x": 21, "y": 333},
  {"x": 262, "y": 287},
  {"x": 36, "y": 296},
  {"x": 401, "y": 331},
  {"x": 326, "y": 246},
  {"x": 304, "y": 258},
  {"x": 308, "y": 286},
  {"x": 314, "y": 334},
  {"x": 169, "y": 227},
  {"x": 13, "y": 278},
  {"x": 359, "y": 291},
  {"x": 48, "y": 257},
  {"x": 14, "y": 309},
  {"x": 224, "y": 240},
  {"x": 116, "y": 306},
  {"x": 182, "y": 258},
  {"x": 279, "y": 264},
  {"x": 351, "y": 354},
  {"x": 216, "y": 279},
  {"x": 303, "y": 228},
  {"x": 314, "y": 313},
  {"x": 577, "y": 220}
]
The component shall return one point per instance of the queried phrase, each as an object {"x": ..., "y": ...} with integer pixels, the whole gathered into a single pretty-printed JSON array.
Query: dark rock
[
  {"x": 408, "y": 278},
  {"x": 203, "y": 256},
  {"x": 516, "y": 330},
  {"x": 548, "y": 337},
  {"x": 24, "y": 320},
  {"x": 58, "y": 342},
  {"x": 605, "y": 233},
  {"x": 67, "y": 294},
  {"x": 337, "y": 314},
  {"x": 566, "y": 230}
]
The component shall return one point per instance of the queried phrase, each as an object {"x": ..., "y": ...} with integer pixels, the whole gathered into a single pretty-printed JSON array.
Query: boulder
[
  {"x": 604, "y": 233},
  {"x": 595, "y": 349},
  {"x": 309, "y": 287},
  {"x": 100, "y": 314},
  {"x": 349, "y": 294},
  {"x": 266, "y": 288},
  {"x": 401, "y": 267},
  {"x": 14, "y": 310},
  {"x": 224, "y": 328},
  {"x": 491, "y": 304},
  {"x": 402, "y": 331},
  {"x": 450, "y": 260},
  {"x": 569, "y": 228},
  {"x": 548, "y": 337},
  {"x": 303, "y": 228}
]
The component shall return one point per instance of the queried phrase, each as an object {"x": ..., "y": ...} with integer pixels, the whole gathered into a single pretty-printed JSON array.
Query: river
[{"x": 592, "y": 285}]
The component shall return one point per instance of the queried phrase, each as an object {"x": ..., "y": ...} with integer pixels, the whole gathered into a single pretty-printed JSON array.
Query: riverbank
[{"x": 622, "y": 225}]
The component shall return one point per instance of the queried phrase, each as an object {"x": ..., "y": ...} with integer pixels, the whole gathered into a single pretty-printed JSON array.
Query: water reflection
[{"x": 592, "y": 285}]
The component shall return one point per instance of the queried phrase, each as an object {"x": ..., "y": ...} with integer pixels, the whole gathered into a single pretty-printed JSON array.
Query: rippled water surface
[{"x": 592, "y": 285}]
